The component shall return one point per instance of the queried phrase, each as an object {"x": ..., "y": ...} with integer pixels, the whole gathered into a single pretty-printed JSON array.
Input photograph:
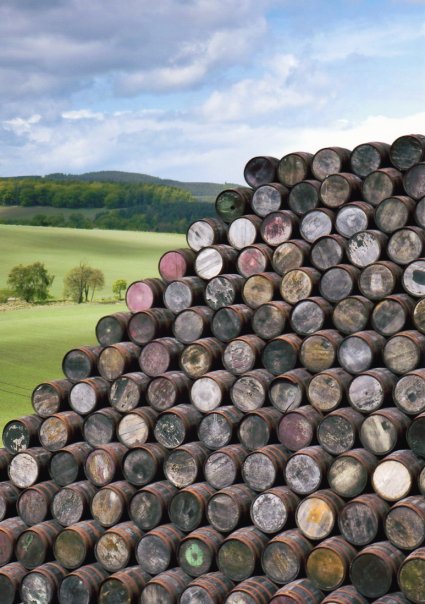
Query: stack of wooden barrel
[{"x": 252, "y": 430}]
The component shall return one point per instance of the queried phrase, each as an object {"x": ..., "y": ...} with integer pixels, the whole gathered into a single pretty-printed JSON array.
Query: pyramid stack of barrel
[{"x": 252, "y": 430}]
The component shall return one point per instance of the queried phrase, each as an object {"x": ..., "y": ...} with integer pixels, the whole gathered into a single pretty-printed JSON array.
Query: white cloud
[{"x": 82, "y": 114}]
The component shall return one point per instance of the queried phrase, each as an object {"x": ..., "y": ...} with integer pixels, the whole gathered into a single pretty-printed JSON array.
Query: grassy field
[
  {"x": 23, "y": 213},
  {"x": 119, "y": 254}
]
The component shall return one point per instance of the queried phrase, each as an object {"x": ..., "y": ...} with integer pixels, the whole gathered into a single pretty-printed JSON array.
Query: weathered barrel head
[
  {"x": 223, "y": 467},
  {"x": 374, "y": 569},
  {"x": 284, "y": 556},
  {"x": 414, "y": 278},
  {"x": 182, "y": 466},
  {"x": 217, "y": 428},
  {"x": 232, "y": 203},
  {"x": 403, "y": 352},
  {"x": 392, "y": 480},
  {"x": 308, "y": 316},
  {"x": 360, "y": 520},
  {"x": 25, "y": 468},
  {"x": 86, "y": 394},
  {"x": 269, "y": 513},
  {"x": 260, "y": 170},
  {"x": 268, "y": 198},
  {"x": 329, "y": 160},
  {"x": 407, "y": 150},
  {"x": 306, "y": 469},
  {"x": 243, "y": 231},
  {"x": 338, "y": 282},
  {"x": 290, "y": 255},
  {"x": 404, "y": 525},
  {"x": 366, "y": 247},
  {"x": 206, "y": 232},
  {"x": 352, "y": 314},
  {"x": 327, "y": 389},
  {"x": 112, "y": 328},
  {"x": 379, "y": 280},
  {"x": 281, "y": 354},
  {"x": 328, "y": 563},
  {"x": 50, "y": 397},
  {"x": 249, "y": 392},
  {"x": 71, "y": 503},
  {"x": 143, "y": 295},
  {"x": 393, "y": 213},
  {"x": 414, "y": 181},
  {"x": 351, "y": 219},
  {"x": 192, "y": 324},
  {"x": 294, "y": 167},
  {"x": 411, "y": 576},
  {"x": 223, "y": 290},
  {"x": 367, "y": 157},
  {"x": 288, "y": 389},
  {"x": 409, "y": 393},
  {"x": 79, "y": 363},
  {"x": 347, "y": 476}
]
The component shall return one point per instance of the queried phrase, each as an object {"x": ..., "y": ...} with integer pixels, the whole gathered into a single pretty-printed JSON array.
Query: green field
[
  {"x": 126, "y": 255},
  {"x": 26, "y": 213}
]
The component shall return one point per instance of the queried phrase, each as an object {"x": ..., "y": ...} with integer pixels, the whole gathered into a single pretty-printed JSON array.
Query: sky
[{"x": 192, "y": 89}]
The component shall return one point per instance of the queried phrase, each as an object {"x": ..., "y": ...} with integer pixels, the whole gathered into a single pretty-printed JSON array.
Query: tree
[
  {"x": 30, "y": 282},
  {"x": 80, "y": 280},
  {"x": 119, "y": 286}
]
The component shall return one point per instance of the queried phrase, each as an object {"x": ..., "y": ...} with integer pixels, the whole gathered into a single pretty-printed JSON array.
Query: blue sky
[{"x": 191, "y": 89}]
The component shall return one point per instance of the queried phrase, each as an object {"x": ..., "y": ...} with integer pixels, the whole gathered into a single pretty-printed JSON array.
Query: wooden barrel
[
  {"x": 260, "y": 289},
  {"x": 72, "y": 503},
  {"x": 294, "y": 167},
  {"x": 244, "y": 231},
  {"x": 128, "y": 391},
  {"x": 224, "y": 290},
  {"x": 413, "y": 181},
  {"x": 8, "y": 497},
  {"x": 10, "y": 531},
  {"x": 20, "y": 434},
  {"x": 338, "y": 189},
  {"x": 404, "y": 351},
  {"x": 361, "y": 351},
  {"x": 419, "y": 213},
  {"x": 211, "y": 588},
  {"x": 406, "y": 245},
  {"x": 255, "y": 590},
  {"x": 184, "y": 293},
  {"x": 34, "y": 546},
  {"x": 309, "y": 316},
  {"x": 136, "y": 428},
  {"x": 243, "y": 354},
  {"x": 407, "y": 150},
  {"x": 366, "y": 247},
  {"x": 198, "y": 549},
  {"x": 339, "y": 282},
  {"x": 67, "y": 465},
  {"x": 290, "y": 255},
  {"x": 99, "y": 428},
  {"x": 299, "y": 284},
  {"x": 318, "y": 351},
  {"x": 160, "y": 356},
  {"x": 89, "y": 394},
  {"x": 287, "y": 391},
  {"x": 188, "y": 507},
  {"x": 270, "y": 319},
  {"x": 167, "y": 587},
  {"x": 379, "y": 279},
  {"x": 112, "y": 328},
  {"x": 327, "y": 389},
  {"x": 157, "y": 549},
  {"x": 392, "y": 314},
  {"x": 269, "y": 197},
  {"x": 231, "y": 321},
  {"x": 354, "y": 217},
  {"x": 184, "y": 465},
  {"x": 232, "y": 203},
  {"x": 351, "y": 472},
  {"x": 370, "y": 390},
  {"x": 176, "y": 264},
  {"x": 177, "y": 425},
  {"x": 298, "y": 592},
  {"x": 409, "y": 392},
  {"x": 81, "y": 363},
  {"x": 418, "y": 315},
  {"x": 328, "y": 563},
  {"x": 316, "y": 515},
  {"x": 260, "y": 170},
  {"x": 284, "y": 556},
  {"x": 192, "y": 324},
  {"x": 229, "y": 508},
  {"x": 327, "y": 251},
  {"x": 143, "y": 295},
  {"x": 201, "y": 357},
  {"x": 411, "y": 576},
  {"x": 115, "y": 549},
  {"x": 393, "y": 598},
  {"x": 361, "y": 520},
  {"x": 109, "y": 505},
  {"x": 272, "y": 509},
  {"x": 413, "y": 280},
  {"x": 214, "y": 261},
  {"x": 206, "y": 232},
  {"x": 280, "y": 355},
  {"x": 104, "y": 463},
  {"x": 352, "y": 314},
  {"x": 143, "y": 464},
  {"x": 223, "y": 468},
  {"x": 124, "y": 586},
  {"x": 304, "y": 196},
  {"x": 367, "y": 157},
  {"x": 258, "y": 428},
  {"x": 60, "y": 430},
  {"x": 29, "y": 467},
  {"x": 240, "y": 554},
  {"x": 278, "y": 227},
  {"x": 253, "y": 259},
  {"x": 405, "y": 523},
  {"x": 381, "y": 184},
  {"x": 169, "y": 389},
  {"x": 148, "y": 325},
  {"x": 338, "y": 431},
  {"x": 211, "y": 390},
  {"x": 394, "y": 213},
  {"x": 306, "y": 470},
  {"x": 82, "y": 585},
  {"x": 250, "y": 391},
  {"x": 347, "y": 594},
  {"x": 148, "y": 508},
  {"x": 50, "y": 397},
  {"x": 118, "y": 359},
  {"x": 383, "y": 430},
  {"x": 297, "y": 427},
  {"x": 218, "y": 428},
  {"x": 74, "y": 546},
  {"x": 330, "y": 160},
  {"x": 263, "y": 467},
  {"x": 396, "y": 475},
  {"x": 33, "y": 505},
  {"x": 415, "y": 435},
  {"x": 374, "y": 570},
  {"x": 41, "y": 584}
]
